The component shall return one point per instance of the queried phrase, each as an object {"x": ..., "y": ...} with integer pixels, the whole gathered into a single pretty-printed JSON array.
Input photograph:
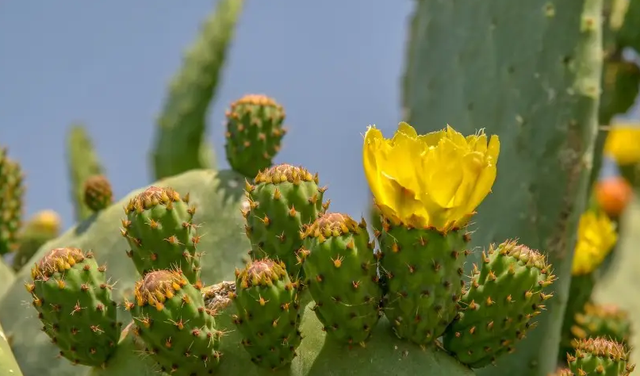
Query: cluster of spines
[
  {"x": 160, "y": 231},
  {"x": 268, "y": 313},
  {"x": 73, "y": 300},
  {"x": 11, "y": 202},
  {"x": 283, "y": 201},
  {"x": 495, "y": 311},
  {"x": 599, "y": 356},
  {"x": 254, "y": 133},
  {"x": 342, "y": 274},
  {"x": 172, "y": 319},
  {"x": 98, "y": 194}
]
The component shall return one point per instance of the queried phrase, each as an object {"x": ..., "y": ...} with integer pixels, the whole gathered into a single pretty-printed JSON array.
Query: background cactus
[{"x": 11, "y": 197}]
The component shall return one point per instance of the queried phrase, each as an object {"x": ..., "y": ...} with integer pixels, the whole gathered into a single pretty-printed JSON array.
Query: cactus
[
  {"x": 161, "y": 233},
  {"x": 73, "y": 300},
  {"x": 268, "y": 315},
  {"x": 506, "y": 293},
  {"x": 11, "y": 202},
  {"x": 290, "y": 194},
  {"x": 171, "y": 317},
  {"x": 8, "y": 364},
  {"x": 599, "y": 356},
  {"x": 97, "y": 193},
  {"x": 606, "y": 321},
  {"x": 82, "y": 164},
  {"x": 42, "y": 227},
  {"x": 254, "y": 133},
  {"x": 180, "y": 143},
  {"x": 540, "y": 94},
  {"x": 7, "y": 277},
  {"x": 342, "y": 272}
]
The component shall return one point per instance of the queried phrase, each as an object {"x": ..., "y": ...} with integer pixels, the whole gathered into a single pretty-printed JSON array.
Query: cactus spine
[{"x": 599, "y": 356}]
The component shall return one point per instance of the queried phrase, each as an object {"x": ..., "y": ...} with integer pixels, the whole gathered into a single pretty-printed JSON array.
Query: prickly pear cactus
[
  {"x": 540, "y": 94},
  {"x": 599, "y": 356},
  {"x": 98, "y": 194},
  {"x": 73, "y": 299},
  {"x": 7, "y": 277},
  {"x": 180, "y": 141},
  {"x": 8, "y": 364},
  {"x": 602, "y": 320},
  {"x": 342, "y": 274},
  {"x": 504, "y": 297},
  {"x": 283, "y": 200},
  {"x": 254, "y": 133},
  {"x": 219, "y": 195},
  {"x": 11, "y": 202},
  {"x": 41, "y": 228}
]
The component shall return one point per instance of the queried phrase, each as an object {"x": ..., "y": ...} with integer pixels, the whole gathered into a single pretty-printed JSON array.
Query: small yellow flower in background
[
  {"x": 436, "y": 180},
  {"x": 623, "y": 143},
  {"x": 596, "y": 237},
  {"x": 46, "y": 221}
]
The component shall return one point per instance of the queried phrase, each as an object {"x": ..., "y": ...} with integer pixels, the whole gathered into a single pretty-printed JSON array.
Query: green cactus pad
[
  {"x": 254, "y": 133},
  {"x": 282, "y": 203},
  {"x": 172, "y": 319},
  {"x": 422, "y": 271},
  {"x": 8, "y": 364},
  {"x": 505, "y": 294},
  {"x": 11, "y": 202},
  {"x": 98, "y": 194},
  {"x": 73, "y": 300},
  {"x": 221, "y": 193},
  {"x": 160, "y": 231},
  {"x": 599, "y": 356},
  {"x": 268, "y": 313},
  {"x": 342, "y": 273}
]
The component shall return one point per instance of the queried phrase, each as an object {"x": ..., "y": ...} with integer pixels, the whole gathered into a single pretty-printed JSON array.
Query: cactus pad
[
  {"x": 179, "y": 331},
  {"x": 254, "y": 133},
  {"x": 160, "y": 230},
  {"x": 342, "y": 274},
  {"x": 606, "y": 321},
  {"x": 423, "y": 272},
  {"x": 268, "y": 313},
  {"x": 73, "y": 300},
  {"x": 97, "y": 193},
  {"x": 282, "y": 203},
  {"x": 598, "y": 356},
  {"x": 11, "y": 202},
  {"x": 505, "y": 294}
]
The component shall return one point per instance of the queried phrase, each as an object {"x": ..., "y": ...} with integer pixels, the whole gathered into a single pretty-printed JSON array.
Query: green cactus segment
[
  {"x": 580, "y": 290},
  {"x": 43, "y": 227},
  {"x": 8, "y": 364},
  {"x": 629, "y": 35},
  {"x": 342, "y": 273},
  {"x": 82, "y": 164},
  {"x": 7, "y": 277},
  {"x": 422, "y": 269},
  {"x": 160, "y": 231},
  {"x": 505, "y": 294},
  {"x": 180, "y": 140},
  {"x": 621, "y": 82},
  {"x": 599, "y": 356},
  {"x": 540, "y": 95},
  {"x": 98, "y": 194},
  {"x": 268, "y": 313},
  {"x": 282, "y": 203},
  {"x": 606, "y": 321},
  {"x": 11, "y": 202},
  {"x": 254, "y": 133},
  {"x": 73, "y": 300},
  {"x": 172, "y": 319}
]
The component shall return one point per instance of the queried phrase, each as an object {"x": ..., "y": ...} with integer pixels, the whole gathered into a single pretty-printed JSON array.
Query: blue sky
[{"x": 335, "y": 66}]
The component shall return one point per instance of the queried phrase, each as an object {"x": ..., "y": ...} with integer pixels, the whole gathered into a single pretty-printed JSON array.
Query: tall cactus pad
[
  {"x": 97, "y": 193},
  {"x": 282, "y": 203},
  {"x": 506, "y": 293},
  {"x": 8, "y": 364},
  {"x": 423, "y": 274},
  {"x": 11, "y": 202},
  {"x": 82, "y": 163},
  {"x": 342, "y": 273},
  {"x": 268, "y": 313},
  {"x": 180, "y": 143},
  {"x": 539, "y": 93},
  {"x": 73, "y": 300},
  {"x": 172, "y": 319},
  {"x": 254, "y": 133},
  {"x": 160, "y": 231},
  {"x": 599, "y": 356}
]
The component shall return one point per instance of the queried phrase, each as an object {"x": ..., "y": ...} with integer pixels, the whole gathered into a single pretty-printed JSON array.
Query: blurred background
[{"x": 335, "y": 66}]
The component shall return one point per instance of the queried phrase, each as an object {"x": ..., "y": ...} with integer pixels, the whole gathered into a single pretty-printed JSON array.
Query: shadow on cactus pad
[{"x": 217, "y": 195}]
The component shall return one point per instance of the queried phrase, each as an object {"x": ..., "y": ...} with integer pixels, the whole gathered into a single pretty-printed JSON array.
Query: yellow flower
[
  {"x": 45, "y": 221},
  {"x": 623, "y": 143},
  {"x": 596, "y": 237},
  {"x": 436, "y": 180}
]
